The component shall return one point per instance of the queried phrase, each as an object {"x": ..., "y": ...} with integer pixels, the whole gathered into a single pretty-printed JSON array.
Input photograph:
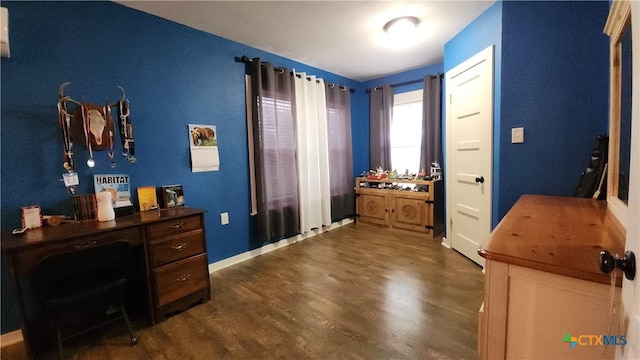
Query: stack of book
[{"x": 85, "y": 207}]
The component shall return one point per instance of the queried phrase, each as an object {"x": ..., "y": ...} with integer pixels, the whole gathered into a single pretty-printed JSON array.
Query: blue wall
[
  {"x": 173, "y": 75},
  {"x": 556, "y": 85},
  {"x": 405, "y": 76},
  {"x": 361, "y": 124},
  {"x": 551, "y": 77}
]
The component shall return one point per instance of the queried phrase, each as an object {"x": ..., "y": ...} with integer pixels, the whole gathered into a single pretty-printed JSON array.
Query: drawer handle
[
  {"x": 179, "y": 246},
  {"x": 183, "y": 278},
  {"x": 177, "y": 226},
  {"x": 84, "y": 244}
]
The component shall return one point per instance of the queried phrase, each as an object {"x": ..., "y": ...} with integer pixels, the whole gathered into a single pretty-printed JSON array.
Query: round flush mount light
[{"x": 401, "y": 25}]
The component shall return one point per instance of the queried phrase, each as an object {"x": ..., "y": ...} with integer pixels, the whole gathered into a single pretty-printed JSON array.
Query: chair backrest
[{"x": 111, "y": 257}]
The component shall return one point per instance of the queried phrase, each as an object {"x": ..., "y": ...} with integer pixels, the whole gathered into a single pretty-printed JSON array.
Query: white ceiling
[{"x": 342, "y": 37}]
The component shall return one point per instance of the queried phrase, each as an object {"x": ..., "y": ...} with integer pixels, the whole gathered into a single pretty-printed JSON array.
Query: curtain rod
[
  {"x": 407, "y": 82},
  {"x": 245, "y": 59},
  {"x": 404, "y": 83}
]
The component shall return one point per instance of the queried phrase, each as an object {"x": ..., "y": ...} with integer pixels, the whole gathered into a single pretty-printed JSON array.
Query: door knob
[
  {"x": 627, "y": 263},
  {"x": 480, "y": 179}
]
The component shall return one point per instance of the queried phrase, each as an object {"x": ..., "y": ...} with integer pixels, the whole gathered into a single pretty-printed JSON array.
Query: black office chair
[{"x": 82, "y": 290}]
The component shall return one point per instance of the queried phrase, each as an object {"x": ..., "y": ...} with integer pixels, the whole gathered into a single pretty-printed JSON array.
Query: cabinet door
[
  {"x": 410, "y": 213},
  {"x": 373, "y": 208}
]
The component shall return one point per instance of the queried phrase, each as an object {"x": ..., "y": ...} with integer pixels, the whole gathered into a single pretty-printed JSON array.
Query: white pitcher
[{"x": 105, "y": 208}]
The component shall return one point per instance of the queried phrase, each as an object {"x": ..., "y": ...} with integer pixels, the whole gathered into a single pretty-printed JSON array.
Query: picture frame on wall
[{"x": 172, "y": 196}]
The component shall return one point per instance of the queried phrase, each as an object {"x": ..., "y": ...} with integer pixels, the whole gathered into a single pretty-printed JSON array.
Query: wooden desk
[
  {"x": 170, "y": 243},
  {"x": 543, "y": 279}
]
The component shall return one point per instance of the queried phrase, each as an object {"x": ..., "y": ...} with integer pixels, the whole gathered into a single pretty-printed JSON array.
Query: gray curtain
[
  {"x": 275, "y": 154},
  {"x": 340, "y": 152},
  {"x": 380, "y": 115},
  {"x": 431, "y": 147}
]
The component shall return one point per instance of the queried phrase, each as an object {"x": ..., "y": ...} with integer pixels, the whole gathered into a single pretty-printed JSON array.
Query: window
[
  {"x": 279, "y": 152},
  {"x": 406, "y": 132},
  {"x": 340, "y": 156}
]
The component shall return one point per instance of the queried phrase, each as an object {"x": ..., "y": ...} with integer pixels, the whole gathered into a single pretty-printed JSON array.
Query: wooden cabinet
[
  {"x": 178, "y": 260},
  {"x": 388, "y": 203},
  {"x": 543, "y": 282}
]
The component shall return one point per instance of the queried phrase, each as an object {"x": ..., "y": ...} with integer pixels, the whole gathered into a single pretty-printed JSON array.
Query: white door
[
  {"x": 469, "y": 153},
  {"x": 631, "y": 289}
]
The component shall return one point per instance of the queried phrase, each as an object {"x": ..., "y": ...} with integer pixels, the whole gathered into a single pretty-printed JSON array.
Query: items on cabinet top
[
  {"x": 394, "y": 184},
  {"x": 380, "y": 174}
]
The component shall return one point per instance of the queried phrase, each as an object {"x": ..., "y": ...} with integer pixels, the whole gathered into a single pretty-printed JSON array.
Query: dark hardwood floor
[{"x": 356, "y": 292}]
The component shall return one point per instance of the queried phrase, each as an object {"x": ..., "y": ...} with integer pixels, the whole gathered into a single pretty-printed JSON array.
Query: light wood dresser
[{"x": 543, "y": 287}]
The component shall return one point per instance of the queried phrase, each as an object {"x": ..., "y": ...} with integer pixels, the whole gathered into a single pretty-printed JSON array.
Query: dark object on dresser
[{"x": 590, "y": 179}]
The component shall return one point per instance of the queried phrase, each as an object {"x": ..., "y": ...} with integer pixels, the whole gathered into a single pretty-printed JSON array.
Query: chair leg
[{"x": 132, "y": 337}]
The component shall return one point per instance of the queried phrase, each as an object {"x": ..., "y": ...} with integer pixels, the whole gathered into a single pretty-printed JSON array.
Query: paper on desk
[{"x": 203, "y": 141}]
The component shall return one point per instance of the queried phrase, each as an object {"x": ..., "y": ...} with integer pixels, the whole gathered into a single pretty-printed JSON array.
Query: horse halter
[
  {"x": 126, "y": 129},
  {"x": 93, "y": 125}
]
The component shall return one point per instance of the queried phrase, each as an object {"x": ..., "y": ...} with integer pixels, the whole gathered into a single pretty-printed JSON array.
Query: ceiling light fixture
[{"x": 401, "y": 25}]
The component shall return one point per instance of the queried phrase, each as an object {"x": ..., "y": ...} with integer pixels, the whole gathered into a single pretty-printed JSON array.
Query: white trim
[
  {"x": 619, "y": 16},
  {"x": 446, "y": 243},
  {"x": 408, "y": 97},
  {"x": 219, "y": 265},
  {"x": 618, "y": 209}
]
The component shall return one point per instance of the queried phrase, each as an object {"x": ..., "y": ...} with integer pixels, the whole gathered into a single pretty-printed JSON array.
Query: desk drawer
[
  {"x": 181, "y": 278},
  {"x": 176, "y": 247},
  {"x": 29, "y": 259},
  {"x": 174, "y": 226}
]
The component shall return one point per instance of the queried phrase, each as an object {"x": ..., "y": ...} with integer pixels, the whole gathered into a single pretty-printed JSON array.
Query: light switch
[
  {"x": 224, "y": 218},
  {"x": 517, "y": 135}
]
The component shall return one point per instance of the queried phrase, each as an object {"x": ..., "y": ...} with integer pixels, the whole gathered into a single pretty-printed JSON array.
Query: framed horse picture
[{"x": 172, "y": 195}]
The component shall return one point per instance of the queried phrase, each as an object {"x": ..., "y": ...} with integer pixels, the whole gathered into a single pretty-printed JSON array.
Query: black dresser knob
[{"x": 627, "y": 263}]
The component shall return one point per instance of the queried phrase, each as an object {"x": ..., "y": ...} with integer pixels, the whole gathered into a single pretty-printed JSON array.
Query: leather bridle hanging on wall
[{"x": 93, "y": 125}]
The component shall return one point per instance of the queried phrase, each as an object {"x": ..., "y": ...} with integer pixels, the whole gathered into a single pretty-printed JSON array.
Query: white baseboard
[
  {"x": 11, "y": 338},
  {"x": 446, "y": 243},
  {"x": 218, "y": 265}
]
